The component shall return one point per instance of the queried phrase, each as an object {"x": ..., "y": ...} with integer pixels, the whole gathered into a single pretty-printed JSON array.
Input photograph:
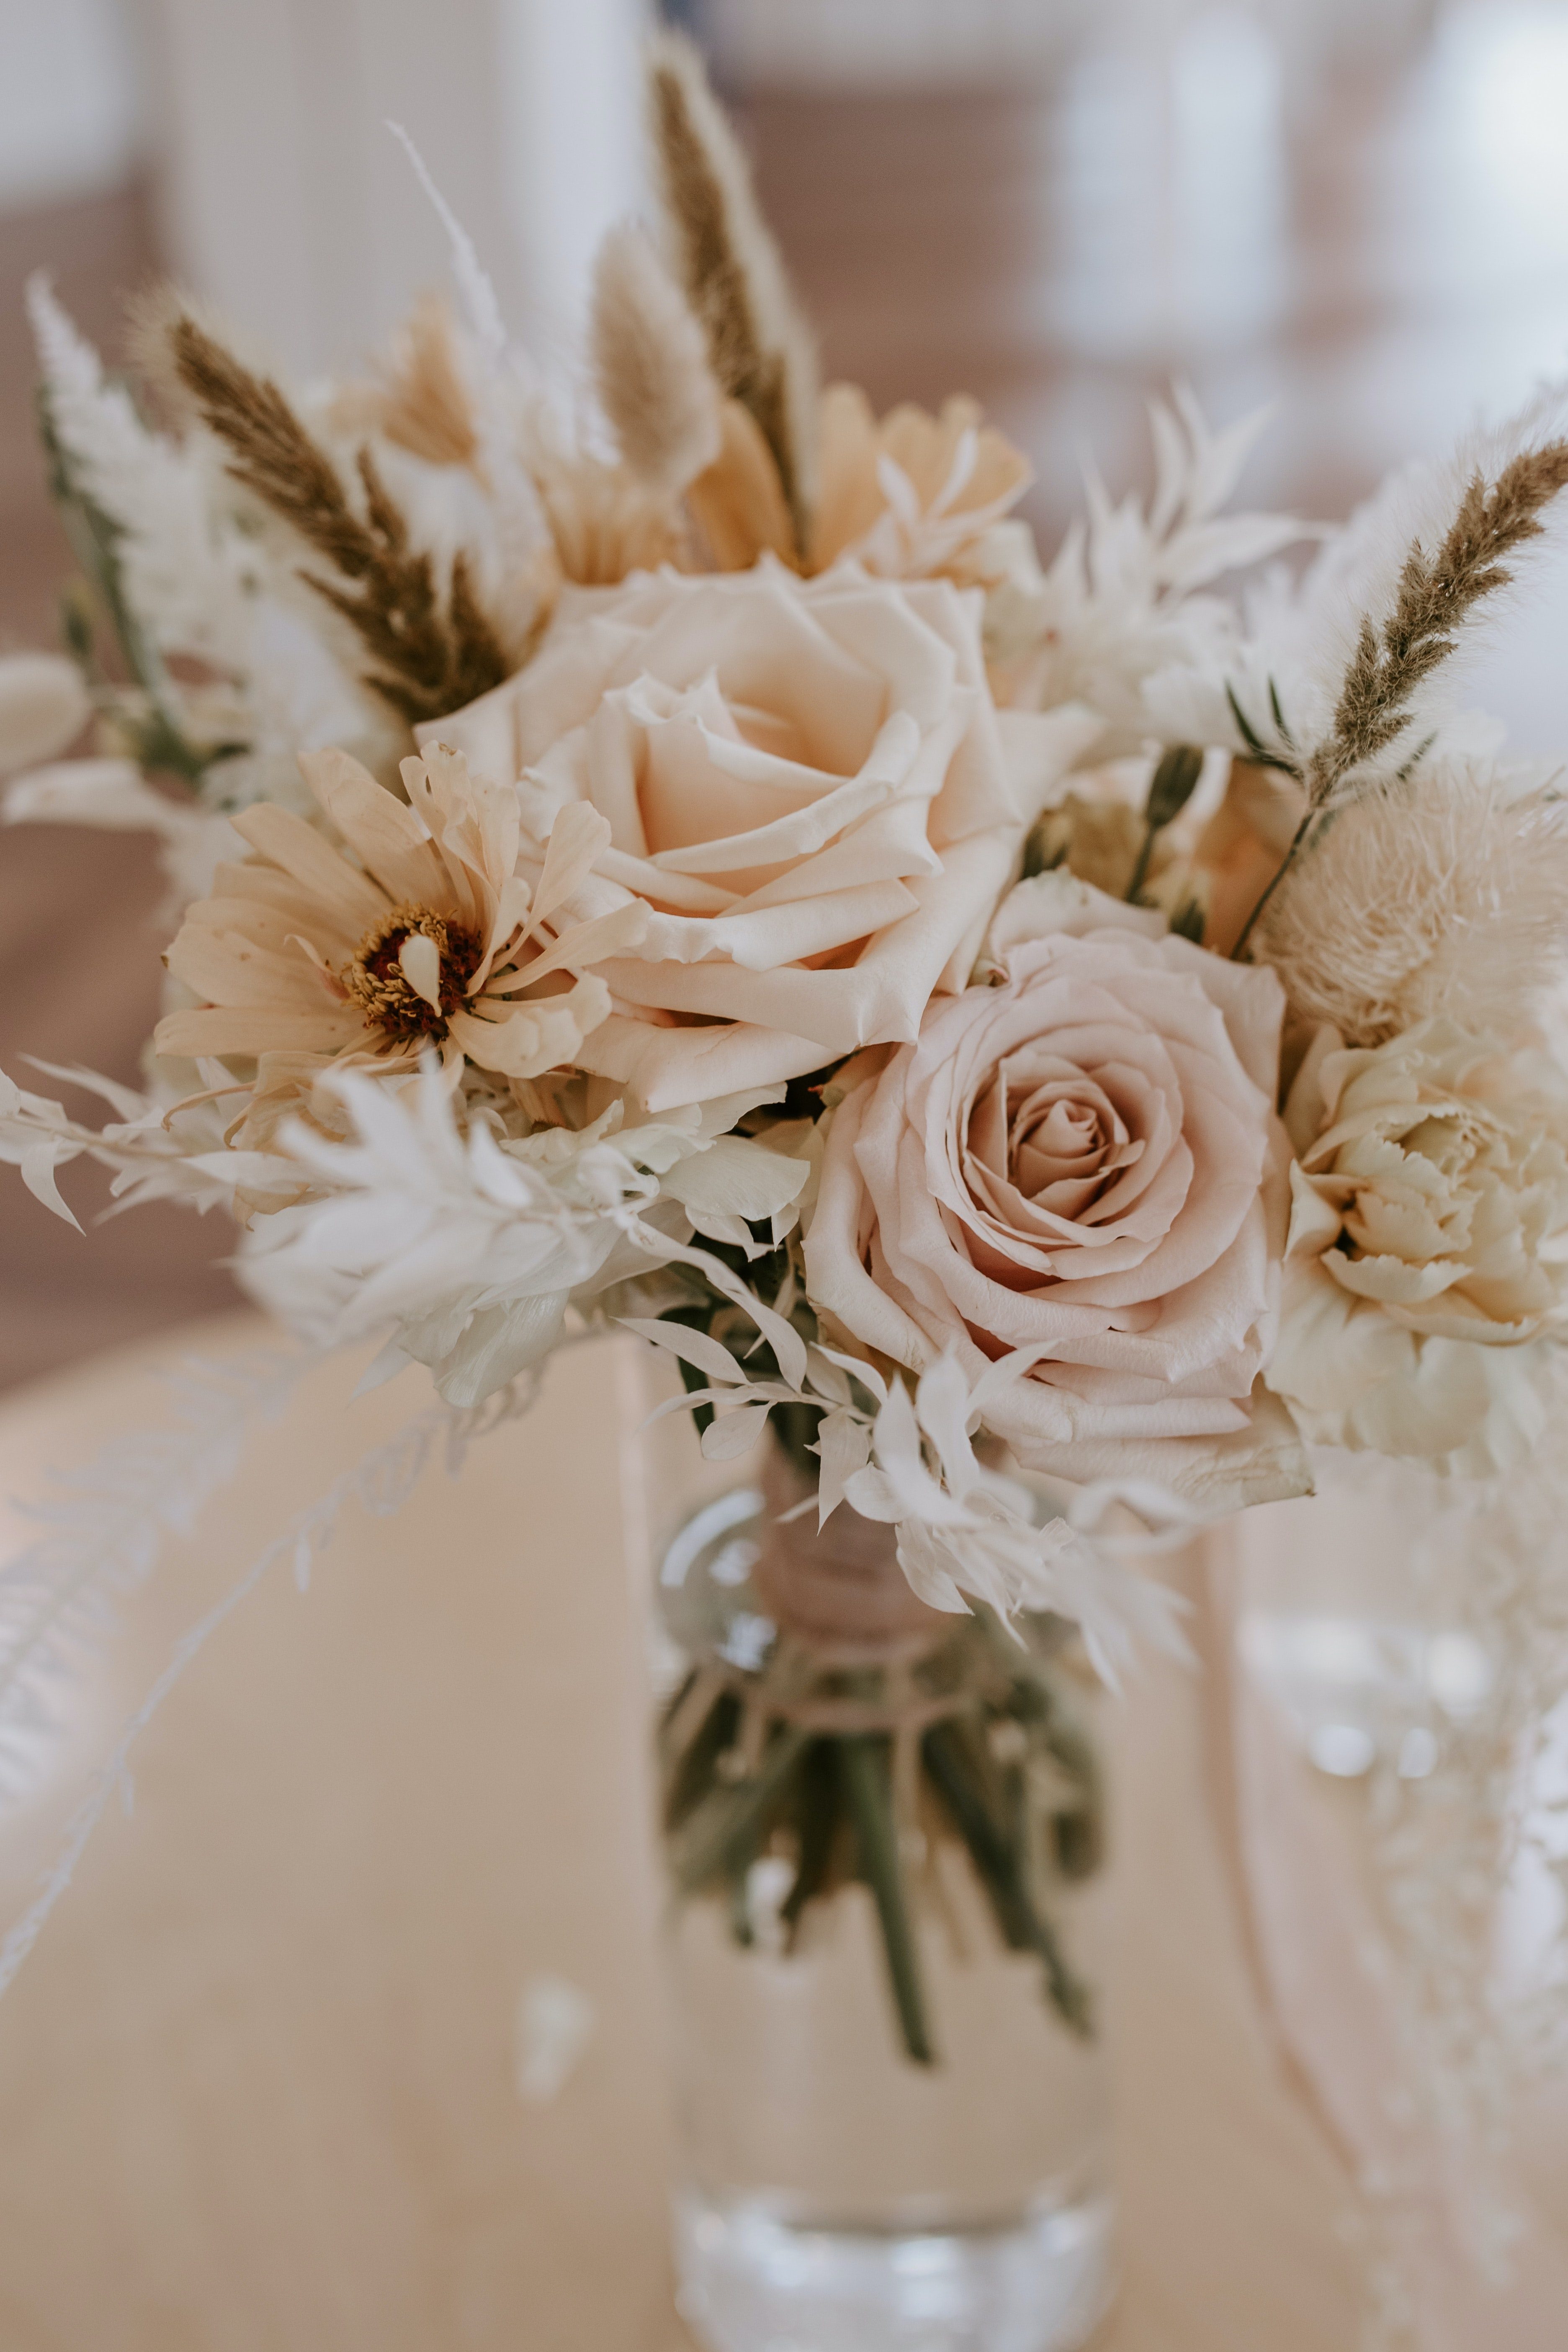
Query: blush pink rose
[{"x": 1084, "y": 1157}]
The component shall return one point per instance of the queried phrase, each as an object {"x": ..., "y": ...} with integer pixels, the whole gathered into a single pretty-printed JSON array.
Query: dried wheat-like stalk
[
  {"x": 428, "y": 662},
  {"x": 651, "y": 361},
  {"x": 757, "y": 344},
  {"x": 1435, "y": 596}
]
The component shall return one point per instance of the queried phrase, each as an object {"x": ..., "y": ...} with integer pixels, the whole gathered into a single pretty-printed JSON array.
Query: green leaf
[
  {"x": 1172, "y": 785},
  {"x": 693, "y": 1773},
  {"x": 1187, "y": 922}
]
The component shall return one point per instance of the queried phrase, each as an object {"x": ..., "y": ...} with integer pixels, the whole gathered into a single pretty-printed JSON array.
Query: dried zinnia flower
[{"x": 433, "y": 939}]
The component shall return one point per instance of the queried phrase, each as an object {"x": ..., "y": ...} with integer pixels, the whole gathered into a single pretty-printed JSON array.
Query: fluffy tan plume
[
  {"x": 758, "y": 345},
  {"x": 1446, "y": 897},
  {"x": 650, "y": 363},
  {"x": 419, "y": 399}
]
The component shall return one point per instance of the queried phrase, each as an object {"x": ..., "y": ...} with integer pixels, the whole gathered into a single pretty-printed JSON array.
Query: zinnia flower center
[{"x": 410, "y": 973}]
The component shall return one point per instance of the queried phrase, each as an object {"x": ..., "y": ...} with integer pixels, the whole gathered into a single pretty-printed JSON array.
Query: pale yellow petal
[
  {"x": 256, "y": 1029},
  {"x": 388, "y": 838},
  {"x": 849, "y": 497},
  {"x": 226, "y": 968},
  {"x": 576, "y": 838},
  {"x": 300, "y": 851},
  {"x": 739, "y": 501}
]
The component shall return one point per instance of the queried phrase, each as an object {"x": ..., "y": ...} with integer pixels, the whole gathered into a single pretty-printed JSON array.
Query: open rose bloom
[
  {"x": 811, "y": 803},
  {"x": 703, "y": 871},
  {"x": 1080, "y": 1161}
]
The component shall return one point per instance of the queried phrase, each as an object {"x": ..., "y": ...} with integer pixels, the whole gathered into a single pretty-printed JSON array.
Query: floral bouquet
[{"x": 1055, "y": 1047}]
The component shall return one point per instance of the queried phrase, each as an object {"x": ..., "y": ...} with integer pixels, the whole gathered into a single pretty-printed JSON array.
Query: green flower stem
[
  {"x": 864, "y": 1762},
  {"x": 1000, "y": 1865},
  {"x": 819, "y": 1815},
  {"x": 724, "y": 1831}
]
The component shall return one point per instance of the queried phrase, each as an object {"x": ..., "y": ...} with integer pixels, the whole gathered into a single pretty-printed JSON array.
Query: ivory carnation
[
  {"x": 1428, "y": 1245},
  {"x": 1078, "y": 1161},
  {"x": 808, "y": 791}
]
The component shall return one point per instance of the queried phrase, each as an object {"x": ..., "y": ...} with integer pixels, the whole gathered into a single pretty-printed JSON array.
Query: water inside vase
[{"x": 835, "y": 2195}]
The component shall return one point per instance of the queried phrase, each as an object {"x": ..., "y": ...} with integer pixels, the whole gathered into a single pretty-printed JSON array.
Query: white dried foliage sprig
[
  {"x": 106, "y": 1529},
  {"x": 380, "y": 1483},
  {"x": 650, "y": 365},
  {"x": 470, "y": 1247},
  {"x": 188, "y": 577},
  {"x": 157, "y": 1150},
  {"x": 1448, "y": 893},
  {"x": 1120, "y": 620},
  {"x": 963, "y": 1529}
]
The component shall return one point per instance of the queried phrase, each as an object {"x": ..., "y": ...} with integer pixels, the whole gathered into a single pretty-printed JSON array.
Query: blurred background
[{"x": 1355, "y": 210}]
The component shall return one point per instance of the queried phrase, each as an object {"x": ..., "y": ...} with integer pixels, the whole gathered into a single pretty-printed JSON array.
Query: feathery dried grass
[
  {"x": 421, "y": 401},
  {"x": 650, "y": 363},
  {"x": 1435, "y": 596},
  {"x": 758, "y": 345},
  {"x": 428, "y": 661},
  {"x": 1451, "y": 898}
]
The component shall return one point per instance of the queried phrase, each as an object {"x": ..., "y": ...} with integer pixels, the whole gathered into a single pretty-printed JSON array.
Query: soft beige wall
[{"x": 288, "y": 201}]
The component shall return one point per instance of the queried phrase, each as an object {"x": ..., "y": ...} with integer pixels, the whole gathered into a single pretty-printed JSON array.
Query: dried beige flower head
[
  {"x": 1429, "y": 1213},
  {"x": 1449, "y": 895},
  {"x": 909, "y": 495},
  {"x": 419, "y": 398},
  {"x": 953, "y": 476},
  {"x": 435, "y": 939},
  {"x": 604, "y": 520}
]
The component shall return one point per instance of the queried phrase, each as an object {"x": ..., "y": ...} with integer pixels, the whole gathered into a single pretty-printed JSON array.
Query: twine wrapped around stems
[{"x": 840, "y": 1591}]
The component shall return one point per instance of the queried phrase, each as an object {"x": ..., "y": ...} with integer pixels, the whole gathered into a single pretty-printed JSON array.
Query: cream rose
[
  {"x": 1081, "y": 1159},
  {"x": 809, "y": 793},
  {"x": 1428, "y": 1245}
]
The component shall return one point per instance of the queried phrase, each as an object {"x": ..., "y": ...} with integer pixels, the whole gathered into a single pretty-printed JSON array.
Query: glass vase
[{"x": 883, "y": 1830}]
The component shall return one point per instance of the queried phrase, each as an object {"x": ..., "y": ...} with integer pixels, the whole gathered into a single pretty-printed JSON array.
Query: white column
[{"x": 291, "y": 206}]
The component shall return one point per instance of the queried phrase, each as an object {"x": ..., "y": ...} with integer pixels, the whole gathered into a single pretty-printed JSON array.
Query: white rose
[
  {"x": 1425, "y": 1264},
  {"x": 809, "y": 791}
]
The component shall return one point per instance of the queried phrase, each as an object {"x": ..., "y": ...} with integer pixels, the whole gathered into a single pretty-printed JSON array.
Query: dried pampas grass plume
[
  {"x": 1450, "y": 898},
  {"x": 758, "y": 345},
  {"x": 650, "y": 363}
]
